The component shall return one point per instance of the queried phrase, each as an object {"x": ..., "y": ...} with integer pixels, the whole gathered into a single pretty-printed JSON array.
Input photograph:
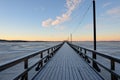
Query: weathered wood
[
  {"x": 26, "y": 67},
  {"x": 67, "y": 65},
  {"x": 113, "y": 77}
]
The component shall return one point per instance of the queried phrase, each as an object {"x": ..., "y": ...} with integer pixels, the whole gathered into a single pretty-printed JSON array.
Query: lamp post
[
  {"x": 94, "y": 23},
  {"x": 71, "y": 37},
  {"x": 94, "y": 34}
]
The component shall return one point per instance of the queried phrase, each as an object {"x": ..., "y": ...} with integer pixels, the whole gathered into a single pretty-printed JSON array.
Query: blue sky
[{"x": 56, "y": 19}]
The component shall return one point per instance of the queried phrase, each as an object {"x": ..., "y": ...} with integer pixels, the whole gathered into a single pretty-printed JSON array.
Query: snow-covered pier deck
[{"x": 67, "y": 65}]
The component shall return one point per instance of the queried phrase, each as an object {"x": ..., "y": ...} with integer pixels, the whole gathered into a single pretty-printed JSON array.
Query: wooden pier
[
  {"x": 67, "y": 65},
  {"x": 64, "y": 61}
]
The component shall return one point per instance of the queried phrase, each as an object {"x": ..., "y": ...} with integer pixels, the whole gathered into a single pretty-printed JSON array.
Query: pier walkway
[{"x": 67, "y": 65}]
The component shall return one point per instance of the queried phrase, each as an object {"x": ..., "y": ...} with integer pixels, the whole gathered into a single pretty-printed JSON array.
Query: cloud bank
[
  {"x": 70, "y": 5},
  {"x": 114, "y": 11}
]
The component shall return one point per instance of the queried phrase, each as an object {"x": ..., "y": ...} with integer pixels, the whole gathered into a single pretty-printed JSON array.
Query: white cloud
[
  {"x": 70, "y": 5},
  {"x": 107, "y": 4},
  {"x": 114, "y": 11},
  {"x": 111, "y": 14},
  {"x": 46, "y": 23}
]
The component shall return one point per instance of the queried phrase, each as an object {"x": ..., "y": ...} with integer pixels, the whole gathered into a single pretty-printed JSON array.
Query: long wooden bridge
[{"x": 65, "y": 61}]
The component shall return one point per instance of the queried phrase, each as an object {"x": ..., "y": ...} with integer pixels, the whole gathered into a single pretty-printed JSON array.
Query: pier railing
[
  {"x": 37, "y": 65},
  {"x": 84, "y": 53}
]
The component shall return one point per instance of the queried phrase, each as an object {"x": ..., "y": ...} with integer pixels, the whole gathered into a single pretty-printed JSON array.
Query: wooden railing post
[
  {"x": 80, "y": 51},
  {"x": 52, "y": 50},
  {"x": 86, "y": 58},
  {"x": 84, "y": 54},
  {"x": 48, "y": 53},
  {"x": 25, "y": 77},
  {"x": 42, "y": 60},
  {"x": 41, "y": 55},
  {"x": 94, "y": 63},
  {"x": 40, "y": 64},
  {"x": 113, "y": 77}
]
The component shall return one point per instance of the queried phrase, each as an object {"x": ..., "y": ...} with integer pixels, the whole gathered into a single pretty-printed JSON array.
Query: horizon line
[{"x": 54, "y": 40}]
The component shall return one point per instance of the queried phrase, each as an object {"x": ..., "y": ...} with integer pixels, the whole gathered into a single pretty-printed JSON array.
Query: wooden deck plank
[
  {"x": 49, "y": 75},
  {"x": 54, "y": 73},
  {"x": 67, "y": 65}
]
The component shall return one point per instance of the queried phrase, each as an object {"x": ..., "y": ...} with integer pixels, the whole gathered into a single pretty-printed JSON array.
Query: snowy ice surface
[{"x": 13, "y": 50}]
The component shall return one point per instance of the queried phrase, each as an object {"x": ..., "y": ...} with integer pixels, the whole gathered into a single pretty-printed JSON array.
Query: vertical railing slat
[
  {"x": 42, "y": 60},
  {"x": 113, "y": 77},
  {"x": 25, "y": 76}
]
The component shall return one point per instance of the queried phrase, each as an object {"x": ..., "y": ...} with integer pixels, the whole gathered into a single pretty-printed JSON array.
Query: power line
[
  {"x": 83, "y": 17},
  {"x": 76, "y": 16}
]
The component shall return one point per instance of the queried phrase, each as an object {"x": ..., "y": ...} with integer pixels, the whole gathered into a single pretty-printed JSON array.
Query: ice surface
[{"x": 12, "y": 50}]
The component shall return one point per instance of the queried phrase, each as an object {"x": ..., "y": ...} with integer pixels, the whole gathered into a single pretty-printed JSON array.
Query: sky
[{"x": 55, "y": 20}]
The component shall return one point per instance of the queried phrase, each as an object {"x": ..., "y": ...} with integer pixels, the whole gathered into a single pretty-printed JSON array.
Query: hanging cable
[
  {"x": 83, "y": 17},
  {"x": 76, "y": 16}
]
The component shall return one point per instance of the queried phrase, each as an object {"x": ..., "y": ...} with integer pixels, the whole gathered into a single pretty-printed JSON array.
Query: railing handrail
[
  {"x": 114, "y": 75},
  {"x": 18, "y": 60},
  {"x": 101, "y": 54}
]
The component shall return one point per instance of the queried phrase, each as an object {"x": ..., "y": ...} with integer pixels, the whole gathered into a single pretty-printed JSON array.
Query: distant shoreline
[
  {"x": 2, "y": 40},
  {"x": 20, "y": 41}
]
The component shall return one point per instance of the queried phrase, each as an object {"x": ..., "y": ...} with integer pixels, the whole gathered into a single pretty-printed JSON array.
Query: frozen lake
[
  {"x": 106, "y": 47},
  {"x": 13, "y": 50}
]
